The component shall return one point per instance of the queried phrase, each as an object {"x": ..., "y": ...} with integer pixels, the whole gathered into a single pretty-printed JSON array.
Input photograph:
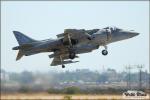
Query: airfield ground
[{"x": 45, "y": 96}]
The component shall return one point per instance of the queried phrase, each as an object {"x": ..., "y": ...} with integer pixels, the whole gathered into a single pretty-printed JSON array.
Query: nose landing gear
[{"x": 105, "y": 52}]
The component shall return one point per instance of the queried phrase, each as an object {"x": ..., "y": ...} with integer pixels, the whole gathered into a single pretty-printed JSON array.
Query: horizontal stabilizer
[{"x": 24, "y": 46}]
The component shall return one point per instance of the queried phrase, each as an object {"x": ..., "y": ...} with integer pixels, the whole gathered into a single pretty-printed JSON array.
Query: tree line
[{"x": 78, "y": 81}]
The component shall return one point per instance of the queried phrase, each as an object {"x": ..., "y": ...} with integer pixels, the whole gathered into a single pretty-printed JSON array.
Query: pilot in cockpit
[{"x": 112, "y": 29}]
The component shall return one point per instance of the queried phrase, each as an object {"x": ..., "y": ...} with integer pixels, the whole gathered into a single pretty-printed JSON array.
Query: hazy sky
[{"x": 43, "y": 20}]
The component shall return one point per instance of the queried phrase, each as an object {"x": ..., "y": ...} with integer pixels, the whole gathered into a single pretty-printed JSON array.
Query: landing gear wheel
[
  {"x": 72, "y": 55},
  {"x": 63, "y": 66},
  {"x": 104, "y": 52}
]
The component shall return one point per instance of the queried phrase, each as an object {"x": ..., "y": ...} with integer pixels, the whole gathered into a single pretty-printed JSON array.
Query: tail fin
[
  {"x": 22, "y": 39},
  {"x": 20, "y": 54}
]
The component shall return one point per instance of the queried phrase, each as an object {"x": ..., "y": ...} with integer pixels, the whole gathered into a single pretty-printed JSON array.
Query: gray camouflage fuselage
[{"x": 78, "y": 44}]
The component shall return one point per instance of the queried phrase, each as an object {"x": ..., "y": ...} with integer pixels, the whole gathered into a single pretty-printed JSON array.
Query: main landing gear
[
  {"x": 70, "y": 44},
  {"x": 105, "y": 52},
  {"x": 72, "y": 55}
]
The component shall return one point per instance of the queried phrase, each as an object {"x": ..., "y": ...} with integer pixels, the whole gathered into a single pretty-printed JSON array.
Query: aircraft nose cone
[
  {"x": 132, "y": 34},
  {"x": 137, "y": 34}
]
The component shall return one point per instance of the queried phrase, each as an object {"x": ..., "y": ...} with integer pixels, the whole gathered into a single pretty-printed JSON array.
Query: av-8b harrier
[{"x": 70, "y": 43}]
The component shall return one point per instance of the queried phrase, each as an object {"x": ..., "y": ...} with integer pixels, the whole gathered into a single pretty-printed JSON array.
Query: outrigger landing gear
[
  {"x": 63, "y": 66},
  {"x": 105, "y": 52}
]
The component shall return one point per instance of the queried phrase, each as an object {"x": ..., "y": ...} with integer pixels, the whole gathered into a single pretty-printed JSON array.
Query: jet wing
[
  {"x": 57, "y": 61},
  {"x": 80, "y": 34}
]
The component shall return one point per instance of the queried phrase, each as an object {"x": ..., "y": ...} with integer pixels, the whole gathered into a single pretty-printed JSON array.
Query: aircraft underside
[{"x": 70, "y": 43}]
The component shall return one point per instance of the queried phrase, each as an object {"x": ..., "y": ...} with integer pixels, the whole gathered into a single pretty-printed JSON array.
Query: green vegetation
[
  {"x": 77, "y": 90},
  {"x": 66, "y": 90},
  {"x": 72, "y": 82},
  {"x": 67, "y": 97},
  {"x": 24, "y": 89},
  {"x": 53, "y": 91},
  {"x": 71, "y": 90}
]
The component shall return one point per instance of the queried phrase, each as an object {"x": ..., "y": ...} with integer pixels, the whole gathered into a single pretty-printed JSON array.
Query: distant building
[{"x": 112, "y": 74}]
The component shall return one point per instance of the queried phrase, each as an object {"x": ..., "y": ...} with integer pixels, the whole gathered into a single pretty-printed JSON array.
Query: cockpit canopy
[{"x": 112, "y": 29}]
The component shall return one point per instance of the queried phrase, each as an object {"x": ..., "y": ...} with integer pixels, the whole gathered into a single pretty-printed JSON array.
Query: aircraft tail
[
  {"x": 22, "y": 39},
  {"x": 20, "y": 55}
]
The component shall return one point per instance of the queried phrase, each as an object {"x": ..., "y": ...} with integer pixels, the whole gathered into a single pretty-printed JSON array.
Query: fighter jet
[{"x": 70, "y": 43}]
